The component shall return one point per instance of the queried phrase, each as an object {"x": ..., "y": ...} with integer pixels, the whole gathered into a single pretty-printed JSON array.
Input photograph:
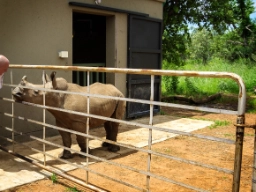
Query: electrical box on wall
[{"x": 63, "y": 54}]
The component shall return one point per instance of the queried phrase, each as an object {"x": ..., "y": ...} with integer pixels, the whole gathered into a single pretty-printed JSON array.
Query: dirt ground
[{"x": 208, "y": 152}]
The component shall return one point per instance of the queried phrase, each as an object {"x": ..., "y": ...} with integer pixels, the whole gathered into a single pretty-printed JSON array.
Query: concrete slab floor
[{"x": 15, "y": 172}]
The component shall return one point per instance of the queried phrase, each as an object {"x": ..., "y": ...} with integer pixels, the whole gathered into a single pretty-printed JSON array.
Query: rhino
[{"x": 106, "y": 107}]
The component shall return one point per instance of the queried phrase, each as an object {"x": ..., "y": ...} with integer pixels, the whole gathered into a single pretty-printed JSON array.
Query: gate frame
[{"x": 240, "y": 112}]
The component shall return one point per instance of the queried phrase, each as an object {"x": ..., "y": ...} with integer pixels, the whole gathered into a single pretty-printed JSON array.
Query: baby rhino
[{"x": 98, "y": 106}]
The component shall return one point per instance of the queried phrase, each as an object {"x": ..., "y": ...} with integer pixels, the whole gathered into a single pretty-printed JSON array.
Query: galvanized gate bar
[
  {"x": 228, "y": 141},
  {"x": 235, "y": 77},
  {"x": 44, "y": 129},
  {"x": 150, "y": 130},
  {"x": 123, "y": 166},
  {"x": 240, "y": 120},
  {"x": 140, "y": 125},
  {"x": 137, "y": 124},
  {"x": 12, "y": 112},
  {"x": 86, "y": 168},
  {"x": 52, "y": 170},
  {"x": 112, "y": 163},
  {"x": 87, "y": 125},
  {"x": 254, "y": 164},
  {"x": 207, "y": 109},
  {"x": 125, "y": 145},
  {"x": 104, "y": 160},
  {"x": 238, "y": 153}
]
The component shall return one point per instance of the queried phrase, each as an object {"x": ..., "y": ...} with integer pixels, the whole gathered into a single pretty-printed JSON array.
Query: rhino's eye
[{"x": 36, "y": 91}]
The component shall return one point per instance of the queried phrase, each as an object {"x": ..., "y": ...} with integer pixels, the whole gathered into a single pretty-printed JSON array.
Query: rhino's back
[
  {"x": 96, "y": 88},
  {"x": 99, "y": 106},
  {"x": 105, "y": 89}
]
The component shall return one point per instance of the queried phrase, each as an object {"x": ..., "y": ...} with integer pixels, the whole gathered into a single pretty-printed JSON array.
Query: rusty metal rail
[
  {"x": 239, "y": 133},
  {"x": 235, "y": 77}
]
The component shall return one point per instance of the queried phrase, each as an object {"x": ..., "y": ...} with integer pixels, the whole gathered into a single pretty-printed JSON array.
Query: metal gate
[{"x": 150, "y": 126}]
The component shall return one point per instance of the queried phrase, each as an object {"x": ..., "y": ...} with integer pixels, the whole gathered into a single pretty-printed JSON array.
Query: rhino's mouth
[{"x": 17, "y": 96}]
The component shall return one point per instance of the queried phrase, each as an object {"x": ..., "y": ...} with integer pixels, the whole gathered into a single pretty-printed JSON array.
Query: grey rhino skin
[{"x": 98, "y": 106}]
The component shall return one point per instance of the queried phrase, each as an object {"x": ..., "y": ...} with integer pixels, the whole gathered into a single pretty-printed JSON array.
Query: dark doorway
[{"x": 89, "y": 46}]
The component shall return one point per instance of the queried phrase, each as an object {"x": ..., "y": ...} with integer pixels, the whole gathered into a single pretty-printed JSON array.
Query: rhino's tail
[{"x": 120, "y": 109}]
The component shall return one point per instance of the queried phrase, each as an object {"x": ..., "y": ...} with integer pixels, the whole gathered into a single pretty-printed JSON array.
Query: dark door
[
  {"x": 144, "y": 52},
  {"x": 89, "y": 46}
]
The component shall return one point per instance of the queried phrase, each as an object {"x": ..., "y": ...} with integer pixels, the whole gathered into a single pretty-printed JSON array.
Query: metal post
[
  {"x": 254, "y": 165},
  {"x": 44, "y": 131},
  {"x": 150, "y": 131},
  {"x": 238, "y": 153},
  {"x": 87, "y": 124},
  {"x": 11, "y": 75}
]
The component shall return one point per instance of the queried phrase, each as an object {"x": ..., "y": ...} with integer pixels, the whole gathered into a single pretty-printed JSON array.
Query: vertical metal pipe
[
  {"x": 44, "y": 131},
  {"x": 254, "y": 165},
  {"x": 103, "y": 77},
  {"x": 11, "y": 76},
  {"x": 238, "y": 153},
  {"x": 87, "y": 124},
  {"x": 97, "y": 76},
  {"x": 150, "y": 131},
  {"x": 86, "y": 78},
  {"x": 77, "y": 77},
  {"x": 91, "y": 78},
  {"x": 239, "y": 135},
  {"x": 241, "y": 98}
]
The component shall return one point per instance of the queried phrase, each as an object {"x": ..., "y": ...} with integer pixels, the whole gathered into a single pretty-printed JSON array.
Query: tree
[
  {"x": 242, "y": 38},
  {"x": 228, "y": 21},
  {"x": 201, "y": 45},
  {"x": 208, "y": 14}
]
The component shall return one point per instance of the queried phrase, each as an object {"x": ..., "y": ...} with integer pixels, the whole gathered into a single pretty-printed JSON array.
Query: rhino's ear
[
  {"x": 53, "y": 74},
  {"x": 24, "y": 78},
  {"x": 46, "y": 78},
  {"x": 53, "y": 78}
]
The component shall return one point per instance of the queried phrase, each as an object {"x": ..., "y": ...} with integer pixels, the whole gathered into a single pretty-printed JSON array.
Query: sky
[{"x": 253, "y": 15}]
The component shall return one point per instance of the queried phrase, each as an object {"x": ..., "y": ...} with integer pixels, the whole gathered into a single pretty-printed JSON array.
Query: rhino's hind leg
[
  {"x": 66, "y": 139},
  {"x": 112, "y": 127},
  {"x": 111, "y": 134}
]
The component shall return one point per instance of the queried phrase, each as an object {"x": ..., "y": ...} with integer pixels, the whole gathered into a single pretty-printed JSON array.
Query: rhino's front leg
[
  {"x": 81, "y": 127},
  {"x": 66, "y": 139}
]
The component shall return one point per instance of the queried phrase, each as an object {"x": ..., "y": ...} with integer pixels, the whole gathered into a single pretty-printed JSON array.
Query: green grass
[
  {"x": 218, "y": 123},
  {"x": 72, "y": 189},
  {"x": 162, "y": 112},
  {"x": 251, "y": 105},
  {"x": 208, "y": 86},
  {"x": 54, "y": 178},
  {"x": 229, "y": 135}
]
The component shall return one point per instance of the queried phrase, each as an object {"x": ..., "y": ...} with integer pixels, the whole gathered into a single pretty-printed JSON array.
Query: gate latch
[{"x": 245, "y": 125}]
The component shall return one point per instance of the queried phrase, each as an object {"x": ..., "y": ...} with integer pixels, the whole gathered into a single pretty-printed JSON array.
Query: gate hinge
[{"x": 245, "y": 125}]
